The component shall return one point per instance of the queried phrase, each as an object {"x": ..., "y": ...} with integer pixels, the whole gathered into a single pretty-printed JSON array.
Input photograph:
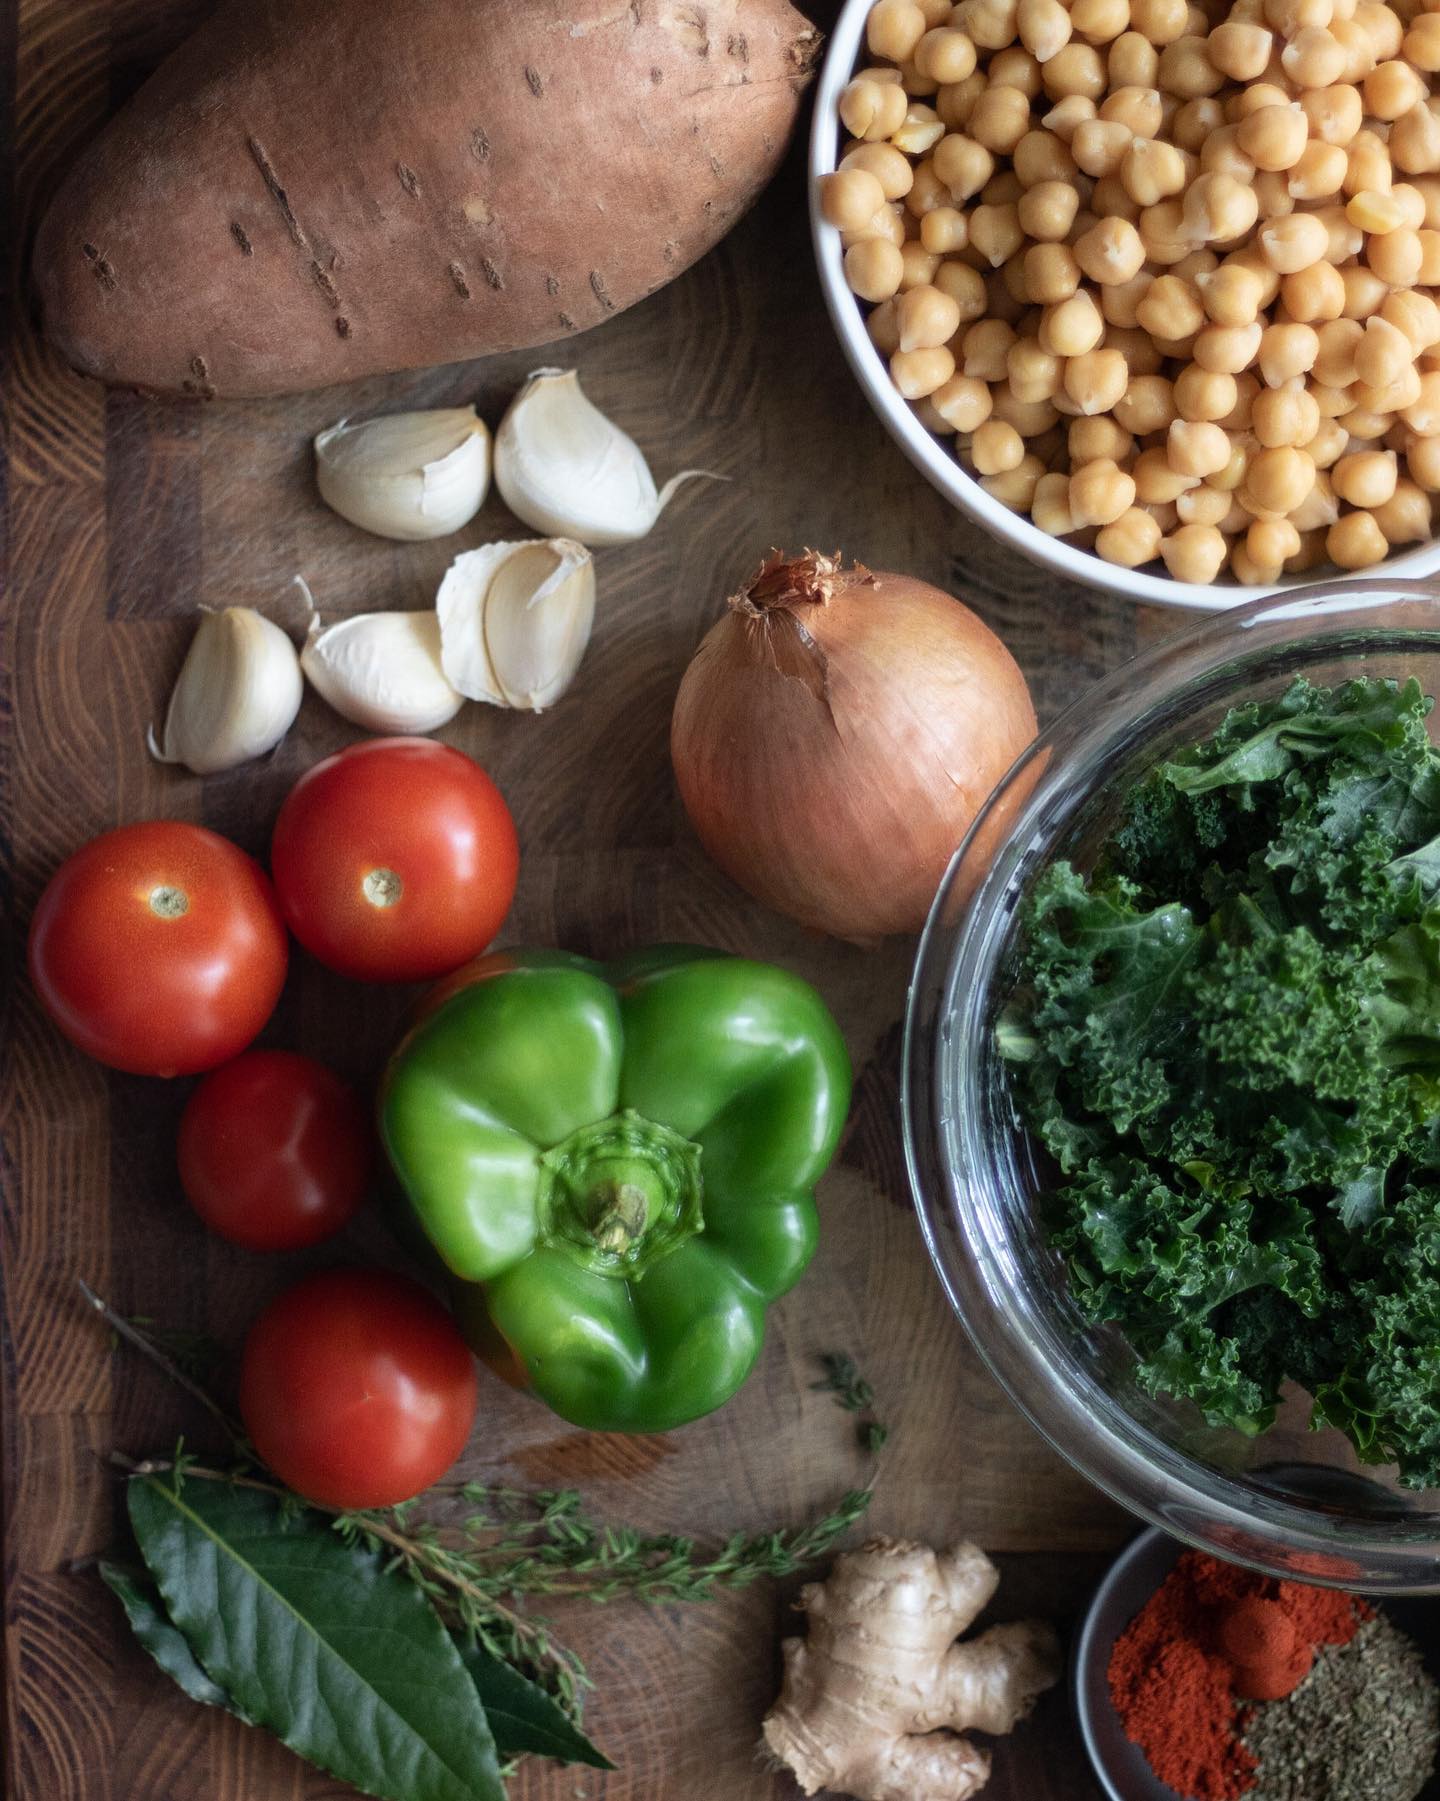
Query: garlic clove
[
  {"x": 406, "y": 475},
  {"x": 568, "y": 471},
  {"x": 382, "y": 671},
  {"x": 236, "y": 696},
  {"x": 515, "y": 619}
]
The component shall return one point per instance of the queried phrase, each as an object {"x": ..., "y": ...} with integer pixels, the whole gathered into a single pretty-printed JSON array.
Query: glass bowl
[{"x": 970, "y": 1160}]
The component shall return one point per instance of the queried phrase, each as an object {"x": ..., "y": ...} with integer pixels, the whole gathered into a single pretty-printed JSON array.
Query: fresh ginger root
[{"x": 875, "y": 1700}]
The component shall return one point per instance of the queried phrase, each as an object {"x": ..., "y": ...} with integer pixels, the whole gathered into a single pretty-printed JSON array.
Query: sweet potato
[{"x": 310, "y": 191}]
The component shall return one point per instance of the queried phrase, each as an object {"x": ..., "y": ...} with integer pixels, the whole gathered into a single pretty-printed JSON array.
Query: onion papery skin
[{"x": 835, "y": 735}]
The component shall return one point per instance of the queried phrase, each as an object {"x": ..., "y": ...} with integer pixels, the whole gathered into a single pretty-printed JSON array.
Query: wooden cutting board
[{"x": 124, "y": 516}]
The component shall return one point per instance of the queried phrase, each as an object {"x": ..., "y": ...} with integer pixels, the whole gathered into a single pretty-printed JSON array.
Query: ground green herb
[
  {"x": 1363, "y": 1725},
  {"x": 1227, "y": 1038}
]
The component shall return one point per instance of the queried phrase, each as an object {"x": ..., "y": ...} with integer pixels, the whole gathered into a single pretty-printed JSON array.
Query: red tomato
[
  {"x": 159, "y": 948},
  {"x": 357, "y": 1389},
  {"x": 275, "y": 1151},
  {"x": 395, "y": 860}
]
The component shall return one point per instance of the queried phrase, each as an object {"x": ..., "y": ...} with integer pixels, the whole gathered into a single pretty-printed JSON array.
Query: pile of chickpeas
[{"x": 1162, "y": 268}]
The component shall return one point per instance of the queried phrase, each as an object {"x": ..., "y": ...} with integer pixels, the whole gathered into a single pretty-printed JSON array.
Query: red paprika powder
[{"x": 1209, "y": 1638}]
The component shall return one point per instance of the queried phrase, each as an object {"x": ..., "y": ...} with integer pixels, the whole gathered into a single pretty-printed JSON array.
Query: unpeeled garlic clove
[
  {"x": 381, "y": 671},
  {"x": 236, "y": 696},
  {"x": 407, "y": 475},
  {"x": 567, "y": 470},
  {"x": 515, "y": 619}
]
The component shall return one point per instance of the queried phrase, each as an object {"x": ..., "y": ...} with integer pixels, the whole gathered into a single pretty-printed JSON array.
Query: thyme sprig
[{"x": 852, "y": 1392}]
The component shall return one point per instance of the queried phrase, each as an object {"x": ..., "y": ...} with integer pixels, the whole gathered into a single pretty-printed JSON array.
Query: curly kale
[{"x": 1227, "y": 1040}]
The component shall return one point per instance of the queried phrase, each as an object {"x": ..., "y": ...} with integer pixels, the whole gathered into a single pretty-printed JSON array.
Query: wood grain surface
[{"x": 121, "y": 516}]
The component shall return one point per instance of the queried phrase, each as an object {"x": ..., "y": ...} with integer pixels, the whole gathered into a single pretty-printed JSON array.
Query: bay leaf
[
  {"x": 166, "y": 1643},
  {"x": 339, "y": 1655},
  {"x": 524, "y": 1719}
]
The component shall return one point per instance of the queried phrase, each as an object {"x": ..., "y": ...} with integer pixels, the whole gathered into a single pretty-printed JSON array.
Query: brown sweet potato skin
[{"x": 310, "y": 191}]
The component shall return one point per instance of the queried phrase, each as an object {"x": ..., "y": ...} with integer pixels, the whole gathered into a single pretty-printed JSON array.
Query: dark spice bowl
[
  {"x": 974, "y": 1176},
  {"x": 1120, "y": 1766}
]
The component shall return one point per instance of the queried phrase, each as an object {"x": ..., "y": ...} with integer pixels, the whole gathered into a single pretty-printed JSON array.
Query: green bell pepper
[{"x": 618, "y": 1163}]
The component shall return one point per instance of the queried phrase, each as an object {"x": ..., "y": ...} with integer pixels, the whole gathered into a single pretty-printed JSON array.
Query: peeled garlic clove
[
  {"x": 564, "y": 468},
  {"x": 411, "y": 475},
  {"x": 515, "y": 619},
  {"x": 382, "y": 671},
  {"x": 236, "y": 696}
]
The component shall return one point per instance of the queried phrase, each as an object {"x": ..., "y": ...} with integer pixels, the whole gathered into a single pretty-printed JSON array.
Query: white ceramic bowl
[{"x": 932, "y": 456}]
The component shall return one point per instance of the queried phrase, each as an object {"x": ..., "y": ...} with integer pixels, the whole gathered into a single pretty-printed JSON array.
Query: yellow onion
[{"x": 835, "y": 735}]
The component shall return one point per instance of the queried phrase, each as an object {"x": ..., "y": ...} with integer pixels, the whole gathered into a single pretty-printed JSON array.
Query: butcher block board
[{"x": 122, "y": 516}]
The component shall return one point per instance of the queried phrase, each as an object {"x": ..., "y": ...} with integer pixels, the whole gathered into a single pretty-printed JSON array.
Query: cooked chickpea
[
  {"x": 999, "y": 119},
  {"x": 884, "y": 328},
  {"x": 894, "y": 28},
  {"x": 1328, "y": 445},
  {"x": 1241, "y": 50},
  {"x": 1415, "y": 140},
  {"x": 1203, "y": 393},
  {"x": 1246, "y": 389},
  {"x": 1271, "y": 541},
  {"x": 962, "y": 165},
  {"x": 1033, "y": 373},
  {"x": 1422, "y": 414},
  {"x": 1132, "y": 61},
  {"x": 1338, "y": 341},
  {"x": 1098, "y": 436},
  {"x": 1186, "y": 69},
  {"x": 1130, "y": 540},
  {"x": 1356, "y": 541},
  {"x": 1274, "y": 137},
  {"x": 1293, "y": 243},
  {"x": 888, "y": 165},
  {"x": 1043, "y": 156},
  {"x": 1314, "y": 294},
  {"x": 1278, "y": 480},
  {"x": 1287, "y": 349},
  {"x": 1395, "y": 257},
  {"x": 944, "y": 231},
  {"x": 1096, "y": 379},
  {"x": 917, "y": 265},
  {"x": 1052, "y": 273},
  {"x": 1171, "y": 308},
  {"x": 917, "y": 373},
  {"x": 927, "y": 318},
  {"x": 1047, "y": 211},
  {"x": 1110, "y": 251},
  {"x": 1100, "y": 492},
  {"x": 1366, "y": 478},
  {"x": 1016, "y": 487},
  {"x": 984, "y": 348},
  {"x": 1383, "y": 26},
  {"x": 1288, "y": 415},
  {"x": 1364, "y": 425},
  {"x": 872, "y": 109},
  {"x": 1066, "y": 114},
  {"x": 956, "y": 100},
  {"x": 1421, "y": 44},
  {"x": 1202, "y": 506},
  {"x": 1429, "y": 272},
  {"x": 1072, "y": 326},
  {"x": 946, "y": 55},
  {"x": 1160, "y": 21},
  {"x": 1218, "y": 209},
  {"x": 1137, "y": 108},
  {"x": 965, "y": 286},
  {"x": 1405, "y": 517},
  {"x": 1319, "y": 172},
  {"x": 1077, "y": 69},
  {"x": 1151, "y": 171},
  {"x": 1099, "y": 145},
  {"x": 1365, "y": 292},
  {"x": 1392, "y": 88},
  {"x": 1232, "y": 295},
  {"x": 1227, "y": 349},
  {"x": 1314, "y": 58},
  {"x": 1230, "y": 477},
  {"x": 1119, "y": 299},
  {"x": 1422, "y": 460},
  {"x": 1050, "y": 508},
  {"x": 873, "y": 268},
  {"x": 1193, "y": 553},
  {"x": 995, "y": 233},
  {"x": 996, "y": 448},
  {"x": 1382, "y": 353},
  {"x": 1335, "y": 114},
  {"x": 963, "y": 402},
  {"x": 1156, "y": 482},
  {"x": 1100, "y": 21},
  {"x": 1375, "y": 212},
  {"x": 850, "y": 198},
  {"x": 1197, "y": 447}
]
